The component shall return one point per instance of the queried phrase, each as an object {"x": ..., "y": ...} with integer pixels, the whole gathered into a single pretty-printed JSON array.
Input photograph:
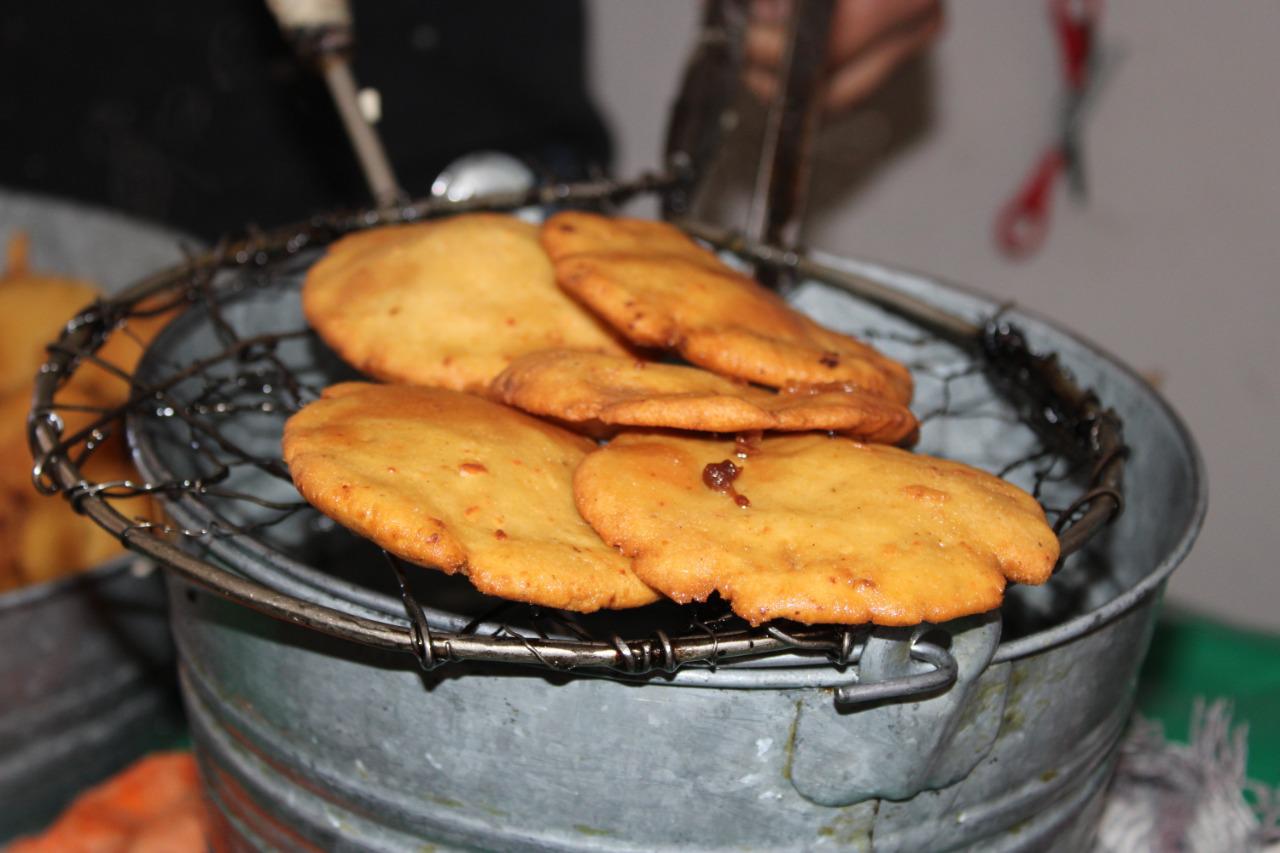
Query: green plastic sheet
[{"x": 1192, "y": 657}]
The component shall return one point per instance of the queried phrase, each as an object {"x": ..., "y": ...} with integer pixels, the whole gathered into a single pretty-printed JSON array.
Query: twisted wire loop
[
  {"x": 1069, "y": 451},
  {"x": 797, "y": 643},
  {"x": 625, "y": 655},
  {"x": 668, "y": 656},
  {"x": 847, "y": 651},
  {"x": 423, "y": 647},
  {"x": 713, "y": 657}
]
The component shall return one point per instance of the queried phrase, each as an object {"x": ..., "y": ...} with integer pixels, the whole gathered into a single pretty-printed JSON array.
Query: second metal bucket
[{"x": 86, "y": 662}]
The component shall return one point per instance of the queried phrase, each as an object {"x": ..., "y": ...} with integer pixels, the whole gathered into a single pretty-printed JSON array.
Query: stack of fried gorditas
[{"x": 751, "y": 452}]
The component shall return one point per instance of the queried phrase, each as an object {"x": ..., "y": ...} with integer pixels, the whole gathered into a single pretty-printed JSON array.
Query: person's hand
[{"x": 869, "y": 40}]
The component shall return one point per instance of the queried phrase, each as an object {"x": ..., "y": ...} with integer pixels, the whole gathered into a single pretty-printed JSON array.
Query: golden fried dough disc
[
  {"x": 588, "y": 387},
  {"x": 56, "y": 542},
  {"x": 17, "y": 256},
  {"x": 49, "y": 539},
  {"x": 660, "y": 289},
  {"x": 447, "y": 303},
  {"x": 33, "y": 311},
  {"x": 122, "y": 350},
  {"x": 11, "y": 511},
  {"x": 15, "y": 455},
  {"x": 452, "y": 481},
  {"x": 34, "y": 308},
  {"x": 15, "y": 451},
  {"x": 814, "y": 529},
  {"x": 78, "y": 408}
]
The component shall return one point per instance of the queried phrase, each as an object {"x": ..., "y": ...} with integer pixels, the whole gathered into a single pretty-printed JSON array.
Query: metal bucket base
[
  {"x": 503, "y": 760},
  {"x": 90, "y": 689}
]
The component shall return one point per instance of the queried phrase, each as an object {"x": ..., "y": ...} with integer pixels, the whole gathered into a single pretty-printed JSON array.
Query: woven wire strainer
[{"x": 251, "y": 362}]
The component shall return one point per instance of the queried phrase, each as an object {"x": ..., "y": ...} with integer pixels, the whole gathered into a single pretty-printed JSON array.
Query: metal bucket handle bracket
[{"x": 901, "y": 747}]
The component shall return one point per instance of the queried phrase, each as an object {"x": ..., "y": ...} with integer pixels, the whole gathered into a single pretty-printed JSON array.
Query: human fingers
[
  {"x": 856, "y": 24},
  {"x": 859, "y": 77},
  {"x": 860, "y": 25}
]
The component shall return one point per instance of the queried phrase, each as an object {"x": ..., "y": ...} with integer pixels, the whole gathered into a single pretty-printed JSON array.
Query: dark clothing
[{"x": 199, "y": 115}]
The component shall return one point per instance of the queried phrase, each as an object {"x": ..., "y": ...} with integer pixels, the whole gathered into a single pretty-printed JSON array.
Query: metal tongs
[{"x": 703, "y": 112}]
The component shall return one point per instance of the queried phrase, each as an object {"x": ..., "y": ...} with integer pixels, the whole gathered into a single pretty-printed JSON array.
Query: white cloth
[{"x": 1188, "y": 798}]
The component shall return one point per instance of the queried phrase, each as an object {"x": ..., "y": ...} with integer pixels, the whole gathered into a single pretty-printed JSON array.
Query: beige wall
[{"x": 1172, "y": 265}]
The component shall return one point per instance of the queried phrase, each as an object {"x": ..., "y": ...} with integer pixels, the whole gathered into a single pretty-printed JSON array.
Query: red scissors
[{"x": 1023, "y": 222}]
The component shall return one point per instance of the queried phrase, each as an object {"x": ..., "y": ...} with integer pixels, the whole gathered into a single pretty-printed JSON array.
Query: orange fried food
[
  {"x": 452, "y": 481},
  {"x": 661, "y": 289},
  {"x": 154, "y": 805},
  {"x": 33, "y": 310},
  {"x": 814, "y": 529},
  {"x": 78, "y": 408},
  {"x": 56, "y": 542},
  {"x": 47, "y": 539},
  {"x": 123, "y": 349},
  {"x": 448, "y": 303},
  {"x": 17, "y": 256},
  {"x": 10, "y": 533},
  {"x": 588, "y": 388}
]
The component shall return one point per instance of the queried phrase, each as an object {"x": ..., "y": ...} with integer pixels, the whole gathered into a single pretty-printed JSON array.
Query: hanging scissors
[{"x": 1023, "y": 222}]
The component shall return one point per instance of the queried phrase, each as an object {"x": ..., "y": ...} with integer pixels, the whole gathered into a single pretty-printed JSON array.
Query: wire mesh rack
[{"x": 229, "y": 502}]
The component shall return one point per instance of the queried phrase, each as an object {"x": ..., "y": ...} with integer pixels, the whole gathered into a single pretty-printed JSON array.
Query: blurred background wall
[{"x": 1171, "y": 264}]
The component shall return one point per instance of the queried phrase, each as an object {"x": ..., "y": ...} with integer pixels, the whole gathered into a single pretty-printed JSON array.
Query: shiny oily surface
[
  {"x": 455, "y": 482},
  {"x": 660, "y": 289},
  {"x": 446, "y": 304},
  {"x": 587, "y": 387},
  {"x": 830, "y": 531}
]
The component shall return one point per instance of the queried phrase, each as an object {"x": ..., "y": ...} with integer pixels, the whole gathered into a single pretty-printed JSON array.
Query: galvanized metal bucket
[
  {"x": 89, "y": 686},
  {"x": 86, "y": 663},
  {"x": 307, "y": 742}
]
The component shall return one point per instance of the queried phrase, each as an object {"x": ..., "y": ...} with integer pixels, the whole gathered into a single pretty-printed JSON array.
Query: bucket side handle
[{"x": 899, "y": 728}]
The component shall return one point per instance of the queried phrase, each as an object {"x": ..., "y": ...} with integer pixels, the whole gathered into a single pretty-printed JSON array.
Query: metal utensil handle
[
  {"x": 321, "y": 34},
  {"x": 368, "y": 146}
]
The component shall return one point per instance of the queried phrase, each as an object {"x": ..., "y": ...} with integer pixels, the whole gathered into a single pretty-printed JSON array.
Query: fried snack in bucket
[
  {"x": 153, "y": 805},
  {"x": 43, "y": 539},
  {"x": 452, "y": 481},
  {"x": 10, "y": 538},
  {"x": 56, "y": 542},
  {"x": 588, "y": 388},
  {"x": 813, "y": 528},
  {"x": 33, "y": 309},
  {"x": 447, "y": 303},
  {"x": 48, "y": 539},
  {"x": 659, "y": 288},
  {"x": 76, "y": 407}
]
